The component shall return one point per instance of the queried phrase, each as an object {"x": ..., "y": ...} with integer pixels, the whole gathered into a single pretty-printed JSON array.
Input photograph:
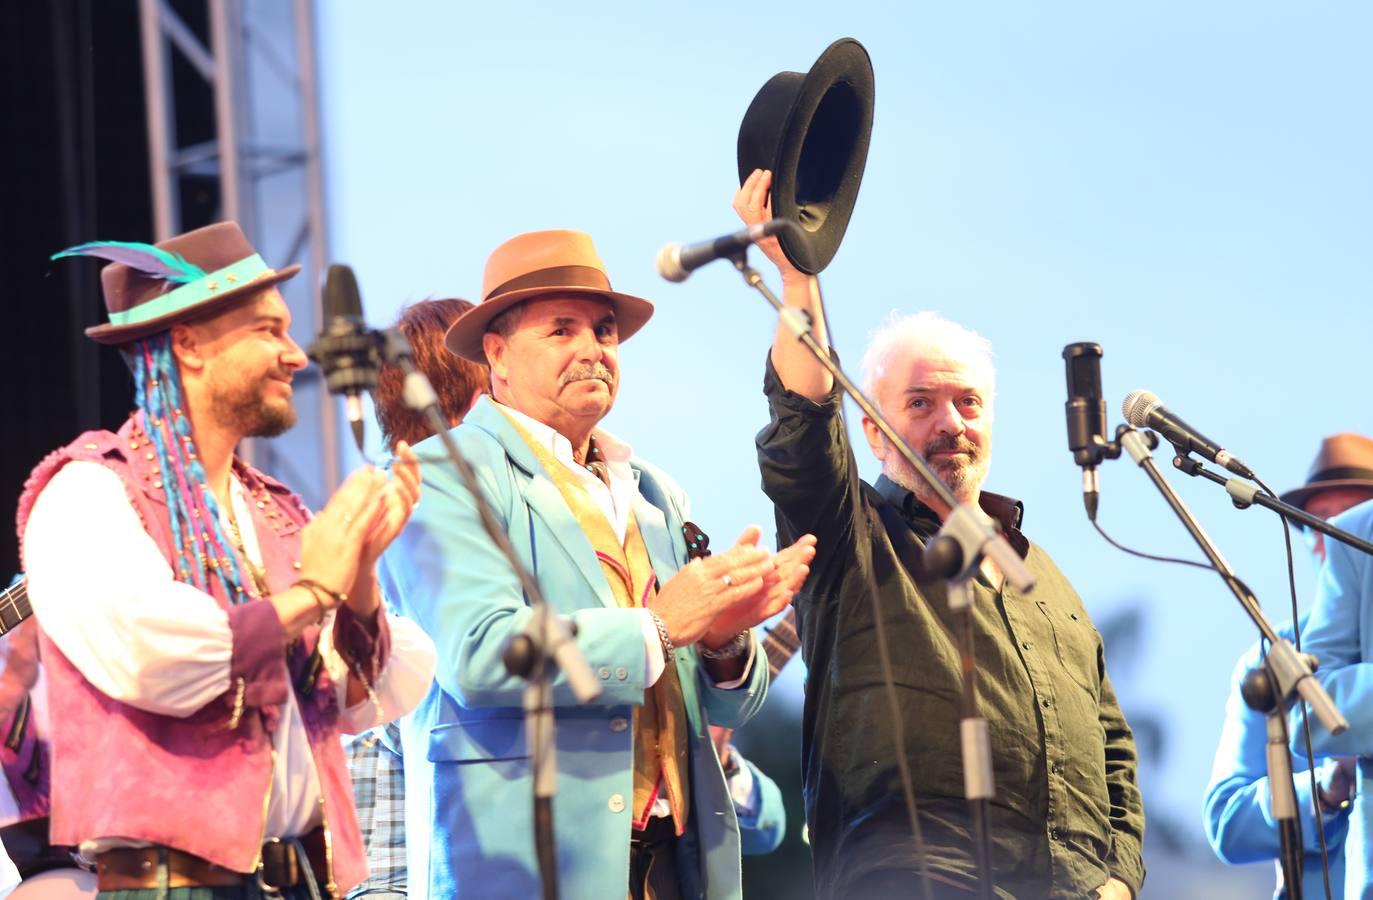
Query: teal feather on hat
[{"x": 152, "y": 261}]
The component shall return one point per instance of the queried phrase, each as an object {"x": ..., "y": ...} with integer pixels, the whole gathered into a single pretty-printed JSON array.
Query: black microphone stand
[
  {"x": 1259, "y": 694},
  {"x": 955, "y": 554},
  {"x": 546, "y": 643},
  {"x": 1285, "y": 671},
  {"x": 1244, "y": 495}
]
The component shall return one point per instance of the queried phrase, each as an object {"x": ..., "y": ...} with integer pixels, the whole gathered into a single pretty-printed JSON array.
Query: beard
[
  {"x": 963, "y": 477},
  {"x": 244, "y": 407}
]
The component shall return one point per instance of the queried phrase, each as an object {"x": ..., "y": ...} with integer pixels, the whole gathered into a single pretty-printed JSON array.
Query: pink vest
[{"x": 200, "y": 783}]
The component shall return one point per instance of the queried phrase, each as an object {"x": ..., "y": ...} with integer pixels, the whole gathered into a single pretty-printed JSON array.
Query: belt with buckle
[{"x": 136, "y": 868}]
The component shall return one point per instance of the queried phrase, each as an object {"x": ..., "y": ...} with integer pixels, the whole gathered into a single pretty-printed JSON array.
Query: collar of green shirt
[{"x": 1007, "y": 512}]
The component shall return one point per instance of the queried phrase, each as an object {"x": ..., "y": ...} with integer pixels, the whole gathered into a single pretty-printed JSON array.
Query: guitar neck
[
  {"x": 14, "y": 606},
  {"x": 780, "y": 643}
]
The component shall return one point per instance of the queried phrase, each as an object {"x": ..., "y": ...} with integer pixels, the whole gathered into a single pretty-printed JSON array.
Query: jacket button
[
  {"x": 619, "y": 723},
  {"x": 604, "y": 672},
  {"x": 617, "y": 803},
  {"x": 622, "y": 673}
]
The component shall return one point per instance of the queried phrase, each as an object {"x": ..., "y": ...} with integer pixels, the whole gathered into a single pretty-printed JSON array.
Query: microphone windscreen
[
  {"x": 342, "y": 299},
  {"x": 669, "y": 263},
  {"x": 1137, "y": 406}
]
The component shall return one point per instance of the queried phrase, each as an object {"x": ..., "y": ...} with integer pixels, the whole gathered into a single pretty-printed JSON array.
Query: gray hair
[{"x": 924, "y": 331}]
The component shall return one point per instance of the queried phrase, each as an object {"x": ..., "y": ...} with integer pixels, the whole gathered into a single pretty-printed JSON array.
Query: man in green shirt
[{"x": 1066, "y": 819}]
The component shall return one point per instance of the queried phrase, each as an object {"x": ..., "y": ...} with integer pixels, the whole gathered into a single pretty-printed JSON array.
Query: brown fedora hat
[
  {"x": 536, "y": 263},
  {"x": 1344, "y": 460},
  {"x": 150, "y": 287}
]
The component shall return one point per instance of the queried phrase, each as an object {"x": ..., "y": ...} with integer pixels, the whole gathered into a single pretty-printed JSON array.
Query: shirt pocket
[{"x": 1076, "y": 644}]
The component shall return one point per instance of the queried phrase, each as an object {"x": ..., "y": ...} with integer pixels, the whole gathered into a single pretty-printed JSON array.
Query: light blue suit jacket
[
  {"x": 762, "y": 828},
  {"x": 1340, "y": 634},
  {"x": 468, "y": 779}
]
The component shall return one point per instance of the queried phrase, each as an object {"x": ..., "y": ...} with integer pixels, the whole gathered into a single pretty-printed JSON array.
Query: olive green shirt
[{"x": 1066, "y": 814}]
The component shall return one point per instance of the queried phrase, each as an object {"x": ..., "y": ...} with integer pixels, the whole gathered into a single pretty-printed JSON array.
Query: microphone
[
  {"x": 677, "y": 261},
  {"x": 1086, "y": 414},
  {"x": 346, "y": 349},
  {"x": 1143, "y": 409}
]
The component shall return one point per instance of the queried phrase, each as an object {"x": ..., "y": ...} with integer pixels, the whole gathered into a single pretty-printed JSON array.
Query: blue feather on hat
[{"x": 151, "y": 261}]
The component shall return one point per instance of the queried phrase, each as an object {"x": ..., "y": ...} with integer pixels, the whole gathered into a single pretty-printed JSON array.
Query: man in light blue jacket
[
  {"x": 1238, "y": 813},
  {"x": 1340, "y": 634},
  {"x": 642, "y": 808}
]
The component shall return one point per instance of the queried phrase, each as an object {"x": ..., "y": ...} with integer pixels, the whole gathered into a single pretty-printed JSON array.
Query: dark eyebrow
[{"x": 607, "y": 319}]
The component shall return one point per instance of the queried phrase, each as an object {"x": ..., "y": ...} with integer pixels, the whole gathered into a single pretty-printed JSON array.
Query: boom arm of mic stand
[
  {"x": 1245, "y": 495},
  {"x": 1290, "y": 670},
  {"x": 967, "y": 534}
]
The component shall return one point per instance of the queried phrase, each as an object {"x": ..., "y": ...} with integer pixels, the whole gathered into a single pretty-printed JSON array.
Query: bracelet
[
  {"x": 315, "y": 588},
  {"x": 668, "y": 646},
  {"x": 732, "y": 650}
]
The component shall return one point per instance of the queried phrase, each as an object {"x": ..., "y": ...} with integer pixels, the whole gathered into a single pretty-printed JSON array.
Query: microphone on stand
[
  {"x": 1086, "y": 412},
  {"x": 676, "y": 262},
  {"x": 1143, "y": 409},
  {"x": 346, "y": 349}
]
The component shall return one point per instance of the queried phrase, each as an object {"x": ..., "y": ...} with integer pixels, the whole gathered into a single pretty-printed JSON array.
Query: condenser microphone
[
  {"x": 1143, "y": 409},
  {"x": 677, "y": 261},
  {"x": 1086, "y": 414},
  {"x": 346, "y": 349}
]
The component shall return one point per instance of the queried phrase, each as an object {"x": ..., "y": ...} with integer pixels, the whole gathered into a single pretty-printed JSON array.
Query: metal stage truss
[{"x": 256, "y": 59}]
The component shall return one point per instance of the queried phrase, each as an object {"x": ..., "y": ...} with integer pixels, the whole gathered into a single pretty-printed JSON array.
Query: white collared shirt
[{"x": 145, "y": 639}]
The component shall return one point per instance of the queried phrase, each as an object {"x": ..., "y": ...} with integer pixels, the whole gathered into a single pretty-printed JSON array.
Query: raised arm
[{"x": 795, "y": 365}]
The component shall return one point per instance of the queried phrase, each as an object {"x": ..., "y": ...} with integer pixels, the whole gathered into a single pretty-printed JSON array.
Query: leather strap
[{"x": 136, "y": 868}]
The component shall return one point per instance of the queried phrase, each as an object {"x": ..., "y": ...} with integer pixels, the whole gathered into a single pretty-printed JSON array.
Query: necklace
[{"x": 256, "y": 571}]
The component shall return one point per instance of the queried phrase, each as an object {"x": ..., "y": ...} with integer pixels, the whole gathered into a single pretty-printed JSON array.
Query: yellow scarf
[{"x": 660, "y": 724}]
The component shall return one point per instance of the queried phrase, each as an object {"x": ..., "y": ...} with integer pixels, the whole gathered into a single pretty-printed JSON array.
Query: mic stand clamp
[{"x": 547, "y": 642}]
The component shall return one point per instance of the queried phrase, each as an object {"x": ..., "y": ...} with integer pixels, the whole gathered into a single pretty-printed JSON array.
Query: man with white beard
[{"x": 1066, "y": 819}]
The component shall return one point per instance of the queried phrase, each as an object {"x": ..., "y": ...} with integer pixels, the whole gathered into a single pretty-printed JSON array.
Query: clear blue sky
[{"x": 1187, "y": 184}]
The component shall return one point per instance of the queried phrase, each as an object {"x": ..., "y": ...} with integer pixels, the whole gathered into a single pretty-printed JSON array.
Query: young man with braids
[{"x": 205, "y": 638}]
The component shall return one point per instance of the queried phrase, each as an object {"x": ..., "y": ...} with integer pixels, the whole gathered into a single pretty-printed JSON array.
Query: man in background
[{"x": 1238, "y": 803}]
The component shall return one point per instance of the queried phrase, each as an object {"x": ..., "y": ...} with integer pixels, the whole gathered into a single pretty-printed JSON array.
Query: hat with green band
[{"x": 151, "y": 287}]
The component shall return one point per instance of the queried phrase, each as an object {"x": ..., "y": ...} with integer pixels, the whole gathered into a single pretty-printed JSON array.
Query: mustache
[
  {"x": 584, "y": 371},
  {"x": 952, "y": 443},
  {"x": 283, "y": 374}
]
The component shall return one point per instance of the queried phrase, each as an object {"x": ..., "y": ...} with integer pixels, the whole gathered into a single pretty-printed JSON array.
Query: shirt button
[
  {"x": 1047, "y": 703},
  {"x": 604, "y": 672},
  {"x": 622, "y": 673},
  {"x": 617, "y": 803},
  {"x": 619, "y": 723},
  {"x": 1025, "y": 644},
  {"x": 1073, "y": 616}
]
